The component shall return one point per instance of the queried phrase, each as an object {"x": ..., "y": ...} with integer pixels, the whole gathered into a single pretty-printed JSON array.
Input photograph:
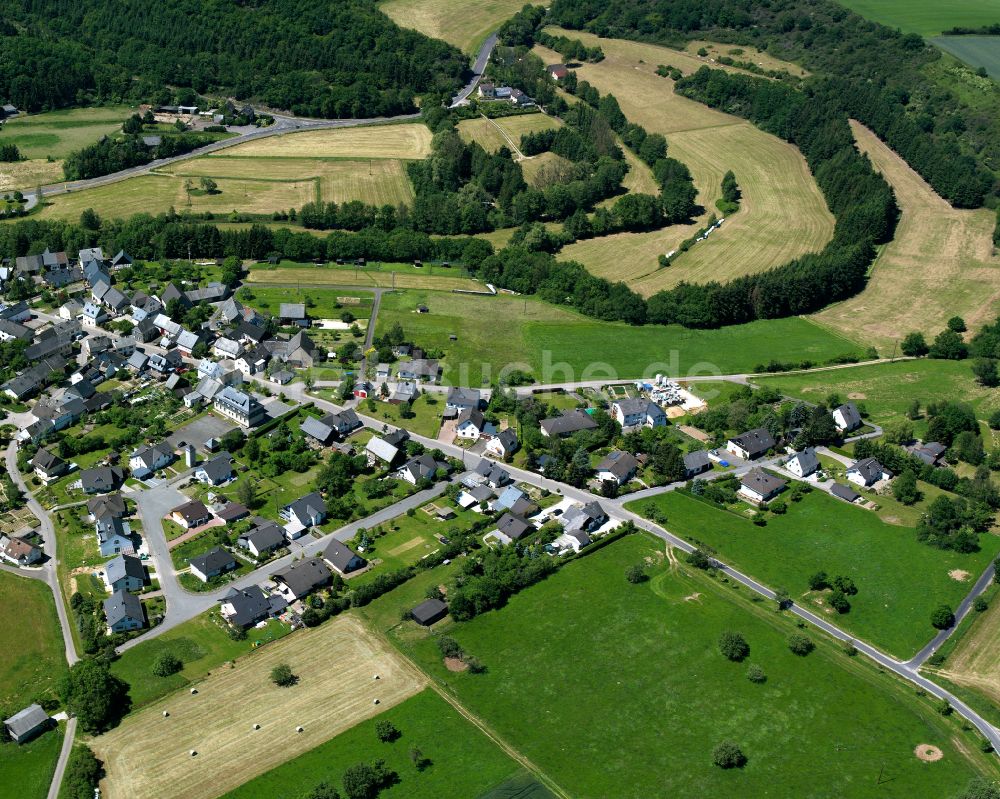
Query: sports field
[
  {"x": 560, "y": 345},
  {"x": 887, "y": 390},
  {"x": 940, "y": 264},
  {"x": 465, "y": 763},
  {"x": 149, "y": 754},
  {"x": 32, "y": 657},
  {"x": 463, "y": 24},
  {"x": 976, "y": 51},
  {"x": 493, "y": 134},
  {"x": 927, "y": 17},
  {"x": 900, "y": 581},
  {"x": 782, "y": 215},
  {"x": 658, "y": 692},
  {"x": 410, "y": 140}
]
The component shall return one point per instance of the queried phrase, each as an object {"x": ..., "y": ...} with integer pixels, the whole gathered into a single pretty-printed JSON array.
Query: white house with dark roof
[
  {"x": 124, "y": 573},
  {"x": 123, "y": 612},
  {"x": 758, "y": 486},
  {"x": 846, "y": 417},
  {"x": 342, "y": 559},
  {"x": 470, "y": 424},
  {"x": 804, "y": 463},
  {"x": 567, "y": 424},
  {"x": 149, "y": 459},
  {"x": 212, "y": 563},
  {"x": 242, "y": 407},
  {"x": 215, "y": 471},
  {"x": 47, "y": 465},
  {"x": 461, "y": 399},
  {"x": 638, "y": 412},
  {"x": 867, "y": 472},
  {"x": 617, "y": 467},
  {"x": 503, "y": 444},
  {"x": 696, "y": 462},
  {"x": 751, "y": 444},
  {"x": 309, "y": 511}
]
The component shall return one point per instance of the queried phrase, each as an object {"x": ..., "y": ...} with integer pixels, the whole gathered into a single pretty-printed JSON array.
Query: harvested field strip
[
  {"x": 940, "y": 264},
  {"x": 974, "y": 663},
  {"x": 150, "y": 755},
  {"x": 493, "y": 134},
  {"x": 307, "y": 276},
  {"x": 783, "y": 213},
  {"x": 411, "y": 140},
  {"x": 465, "y": 25}
]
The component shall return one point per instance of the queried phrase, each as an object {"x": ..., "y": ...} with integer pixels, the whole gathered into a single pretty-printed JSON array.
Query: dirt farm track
[{"x": 149, "y": 755}]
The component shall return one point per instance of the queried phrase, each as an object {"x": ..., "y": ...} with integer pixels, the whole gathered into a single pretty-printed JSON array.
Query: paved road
[
  {"x": 64, "y": 754},
  {"x": 478, "y": 68}
]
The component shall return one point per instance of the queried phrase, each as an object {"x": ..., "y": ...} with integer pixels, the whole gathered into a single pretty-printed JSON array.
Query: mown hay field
[
  {"x": 974, "y": 664},
  {"x": 149, "y": 754},
  {"x": 741, "y": 53},
  {"x": 783, "y": 214},
  {"x": 940, "y": 264},
  {"x": 370, "y": 276},
  {"x": 463, "y": 24},
  {"x": 410, "y": 140},
  {"x": 493, "y": 134}
]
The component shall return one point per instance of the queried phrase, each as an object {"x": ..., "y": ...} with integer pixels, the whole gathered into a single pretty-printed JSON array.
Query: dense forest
[
  {"x": 877, "y": 74},
  {"x": 329, "y": 58}
]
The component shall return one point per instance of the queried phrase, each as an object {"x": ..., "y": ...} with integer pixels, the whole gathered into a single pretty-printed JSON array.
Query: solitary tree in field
[
  {"x": 728, "y": 755},
  {"x": 756, "y": 674},
  {"x": 209, "y": 185},
  {"x": 282, "y": 675},
  {"x": 733, "y": 645},
  {"x": 386, "y": 731},
  {"x": 800, "y": 644},
  {"x": 635, "y": 573},
  {"x": 943, "y": 617},
  {"x": 167, "y": 663},
  {"x": 914, "y": 345}
]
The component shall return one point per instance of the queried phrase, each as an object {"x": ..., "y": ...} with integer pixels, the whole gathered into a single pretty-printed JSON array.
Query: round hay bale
[
  {"x": 376, "y": 677},
  {"x": 165, "y": 714},
  {"x": 256, "y": 726},
  {"x": 194, "y": 691},
  {"x": 299, "y": 729},
  {"x": 193, "y": 753},
  {"x": 375, "y": 702}
]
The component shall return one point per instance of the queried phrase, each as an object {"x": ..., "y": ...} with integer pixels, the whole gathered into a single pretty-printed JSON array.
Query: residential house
[
  {"x": 419, "y": 370},
  {"x": 19, "y": 551},
  {"x": 557, "y": 71},
  {"x": 298, "y": 351},
  {"x": 342, "y": 559},
  {"x": 123, "y": 612},
  {"x": 191, "y": 514},
  {"x": 249, "y": 335},
  {"x": 403, "y": 392},
  {"x": 114, "y": 536},
  {"x": 381, "y": 452},
  {"x": 751, "y": 444},
  {"x": 463, "y": 399},
  {"x": 572, "y": 540},
  {"x": 301, "y": 579},
  {"x": 137, "y": 361},
  {"x": 758, "y": 486},
  {"x": 232, "y": 512},
  {"x": 846, "y": 417},
  {"x": 512, "y": 528},
  {"x": 93, "y": 315},
  {"x": 867, "y": 472},
  {"x": 124, "y": 573},
  {"x": 487, "y": 90},
  {"x": 101, "y": 479},
  {"x": 18, "y": 312},
  {"x": 309, "y": 511},
  {"x": 617, "y": 467},
  {"x": 121, "y": 260},
  {"x": 47, "y": 465},
  {"x": 212, "y": 564},
  {"x": 27, "y": 724},
  {"x": 55, "y": 260},
  {"x": 470, "y": 424},
  {"x": 638, "y": 412},
  {"x": 216, "y": 471},
  {"x": 567, "y": 424},
  {"x": 804, "y": 463},
  {"x": 292, "y": 312},
  {"x": 695, "y": 463},
  {"x": 429, "y": 611},
  {"x": 109, "y": 505},
  {"x": 490, "y": 473},
  {"x": 503, "y": 444},
  {"x": 422, "y": 467},
  {"x": 227, "y": 348},
  {"x": 246, "y": 607},
  {"x": 930, "y": 452},
  {"x": 263, "y": 538},
  {"x": 170, "y": 293},
  {"x": 845, "y": 493},
  {"x": 213, "y": 292},
  {"x": 187, "y": 340},
  {"x": 519, "y": 99},
  {"x": 14, "y": 331},
  {"x": 253, "y": 361},
  {"x": 322, "y": 430},
  {"x": 149, "y": 459},
  {"x": 242, "y": 407},
  {"x": 70, "y": 309},
  {"x": 587, "y": 518}
]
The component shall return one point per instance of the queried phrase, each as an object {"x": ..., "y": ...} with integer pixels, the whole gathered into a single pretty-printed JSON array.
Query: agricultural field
[
  {"x": 201, "y": 643},
  {"x": 32, "y": 658},
  {"x": 925, "y": 16},
  {"x": 976, "y": 51},
  {"x": 492, "y": 134},
  {"x": 782, "y": 214},
  {"x": 426, "y": 721},
  {"x": 659, "y": 692},
  {"x": 560, "y": 345},
  {"x": 886, "y": 390},
  {"x": 407, "y": 141},
  {"x": 909, "y": 290},
  {"x": 466, "y": 26},
  {"x": 900, "y": 581},
  {"x": 149, "y": 754},
  {"x": 377, "y": 275}
]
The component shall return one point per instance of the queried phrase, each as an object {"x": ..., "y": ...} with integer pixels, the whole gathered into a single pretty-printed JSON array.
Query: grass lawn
[
  {"x": 427, "y": 407},
  {"x": 559, "y": 345},
  {"x": 926, "y": 17},
  {"x": 201, "y": 643},
  {"x": 887, "y": 390},
  {"x": 26, "y": 770},
  {"x": 32, "y": 658},
  {"x": 493, "y": 134},
  {"x": 320, "y": 303},
  {"x": 58, "y": 133},
  {"x": 658, "y": 693},
  {"x": 464, "y": 762},
  {"x": 900, "y": 581}
]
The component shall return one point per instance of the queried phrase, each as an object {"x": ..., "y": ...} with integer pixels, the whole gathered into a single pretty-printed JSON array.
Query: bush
[
  {"x": 283, "y": 676},
  {"x": 818, "y": 581},
  {"x": 699, "y": 559},
  {"x": 364, "y": 781},
  {"x": 386, "y": 731},
  {"x": 734, "y": 646},
  {"x": 980, "y": 605},
  {"x": 728, "y": 755},
  {"x": 800, "y": 644},
  {"x": 450, "y": 648},
  {"x": 636, "y": 574},
  {"x": 83, "y": 773},
  {"x": 838, "y": 601},
  {"x": 756, "y": 674},
  {"x": 943, "y": 617},
  {"x": 167, "y": 663}
]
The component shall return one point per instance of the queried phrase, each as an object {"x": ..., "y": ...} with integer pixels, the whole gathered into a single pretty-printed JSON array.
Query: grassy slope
[
  {"x": 31, "y": 648},
  {"x": 425, "y": 721},
  {"x": 783, "y": 213},
  {"x": 940, "y": 263},
  {"x": 465, "y": 25},
  {"x": 900, "y": 581},
  {"x": 619, "y": 690},
  {"x": 927, "y": 17},
  {"x": 494, "y": 332}
]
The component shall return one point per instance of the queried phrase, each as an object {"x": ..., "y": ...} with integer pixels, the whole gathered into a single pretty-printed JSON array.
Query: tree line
[
  {"x": 115, "y": 154},
  {"x": 312, "y": 57}
]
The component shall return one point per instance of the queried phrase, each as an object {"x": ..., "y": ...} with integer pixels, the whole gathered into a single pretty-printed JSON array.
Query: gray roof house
[
  {"x": 291, "y": 311},
  {"x": 124, "y": 573},
  {"x": 567, "y": 424},
  {"x": 215, "y": 471},
  {"x": 617, "y": 467},
  {"x": 460, "y": 399},
  {"x": 148, "y": 459},
  {"x": 308, "y": 511},
  {"x": 867, "y": 472},
  {"x": 513, "y": 527},
  {"x": 583, "y": 517},
  {"x": 429, "y": 611},
  {"x": 212, "y": 563},
  {"x": 845, "y": 493},
  {"x": 246, "y": 607},
  {"x": 320, "y": 429},
  {"x": 47, "y": 465},
  {"x": 846, "y": 417},
  {"x": 123, "y": 612},
  {"x": 342, "y": 558},
  {"x": 419, "y": 369},
  {"x": 27, "y": 724},
  {"x": 758, "y": 486},
  {"x": 263, "y": 538},
  {"x": 696, "y": 462},
  {"x": 804, "y": 463},
  {"x": 751, "y": 444},
  {"x": 379, "y": 449},
  {"x": 301, "y": 579},
  {"x": 240, "y": 406},
  {"x": 101, "y": 479}
]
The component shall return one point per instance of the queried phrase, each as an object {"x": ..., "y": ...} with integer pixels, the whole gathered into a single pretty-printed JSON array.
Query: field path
[
  {"x": 517, "y": 150},
  {"x": 940, "y": 264}
]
